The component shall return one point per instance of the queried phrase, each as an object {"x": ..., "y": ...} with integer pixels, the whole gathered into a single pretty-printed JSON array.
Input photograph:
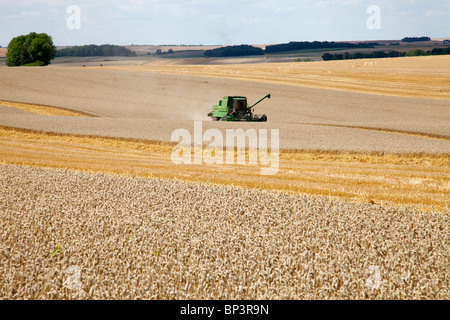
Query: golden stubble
[
  {"x": 418, "y": 180},
  {"x": 43, "y": 110}
]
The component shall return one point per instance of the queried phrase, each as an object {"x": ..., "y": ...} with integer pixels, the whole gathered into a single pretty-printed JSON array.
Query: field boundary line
[
  {"x": 417, "y": 180},
  {"x": 394, "y": 131},
  {"x": 41, "y": 109}
]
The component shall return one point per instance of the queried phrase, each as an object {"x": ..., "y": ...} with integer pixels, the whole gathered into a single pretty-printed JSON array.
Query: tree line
[
  {"x": 383, "y": 54},
  {"x": 416, "y": 39},
  {"x": 94, "y": 50},
  {"x": 234, "y": 51},
  {"x": 247, "y": 50},
  {"x": 305, "y": 45}
]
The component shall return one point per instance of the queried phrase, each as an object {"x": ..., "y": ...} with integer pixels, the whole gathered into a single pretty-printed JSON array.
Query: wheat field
[
  {"x": 72, "y": 235},
  {"x": 92, "y": 207},
  {"x": 419, "y": 77}
]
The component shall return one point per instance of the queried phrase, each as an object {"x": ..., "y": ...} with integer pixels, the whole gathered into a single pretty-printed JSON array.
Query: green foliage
[
  {"x": 415, "y": 53},
  {"x": 94, "y": 50},
  {"x": 56, "y": 251},
  {"x": 382, "y": 54},
  {"x": 33, "y": 49},
  {"x": 234, "y": 51},
  {"x": 305, "y": 45},
  {"x": 34, "y": 64},
  {"x": 306, "y": 60},
  {"x": 438, "y": 51},
  {"x": 16, "y": 53}
]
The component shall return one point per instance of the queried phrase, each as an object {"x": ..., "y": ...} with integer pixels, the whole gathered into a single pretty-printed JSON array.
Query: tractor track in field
[{"x": 409, "y": 133}]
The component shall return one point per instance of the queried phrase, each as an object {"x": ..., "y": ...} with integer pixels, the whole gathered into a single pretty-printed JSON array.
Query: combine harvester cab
[{"x": 235, "y": 108}]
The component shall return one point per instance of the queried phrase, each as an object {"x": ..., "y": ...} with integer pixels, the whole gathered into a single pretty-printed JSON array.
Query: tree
[
  {"x": 327, "y": 56},
  {"x": 416, "y": 39},
  {"x": 32, "y": 49},
  {"x": 417, "y": 52},
  {"x": 234, "y": 51},
  {"x": 437, "y": 51},
  {"x": 393, "y": 54}
]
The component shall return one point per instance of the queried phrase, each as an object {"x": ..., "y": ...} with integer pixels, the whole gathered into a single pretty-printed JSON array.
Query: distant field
[
  {"x": 190, "y": 54},
  {"x": 421, "y": 77},
  {"x": 149, "y": 102},
  {"x": 194, "y": 54}
]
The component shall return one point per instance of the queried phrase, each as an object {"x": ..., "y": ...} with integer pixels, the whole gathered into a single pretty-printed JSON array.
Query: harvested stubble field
[
  {"x": 418, "y": 180},
  {"x": 72, "y": 235},
  {"x": 134, "y": 237},
  {"x": 422, "y": 77}
]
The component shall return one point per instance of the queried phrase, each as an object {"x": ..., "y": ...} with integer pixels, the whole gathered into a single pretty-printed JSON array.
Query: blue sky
[{"x": 224, "y": 22}]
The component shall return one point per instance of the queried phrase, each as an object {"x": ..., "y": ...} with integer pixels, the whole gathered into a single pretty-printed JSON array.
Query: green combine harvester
[{"x": 236, "y": 109}]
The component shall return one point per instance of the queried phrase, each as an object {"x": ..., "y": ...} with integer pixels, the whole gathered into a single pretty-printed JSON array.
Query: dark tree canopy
[
  {"x": 32, "y": 49},
  {"x": 93, "y": 50},
  {"x": 305, "y": 45},
  {"x": 416, "y": 39},
  {"x": 234, "y": 51},
  {"x": 383, "y": 54}
]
